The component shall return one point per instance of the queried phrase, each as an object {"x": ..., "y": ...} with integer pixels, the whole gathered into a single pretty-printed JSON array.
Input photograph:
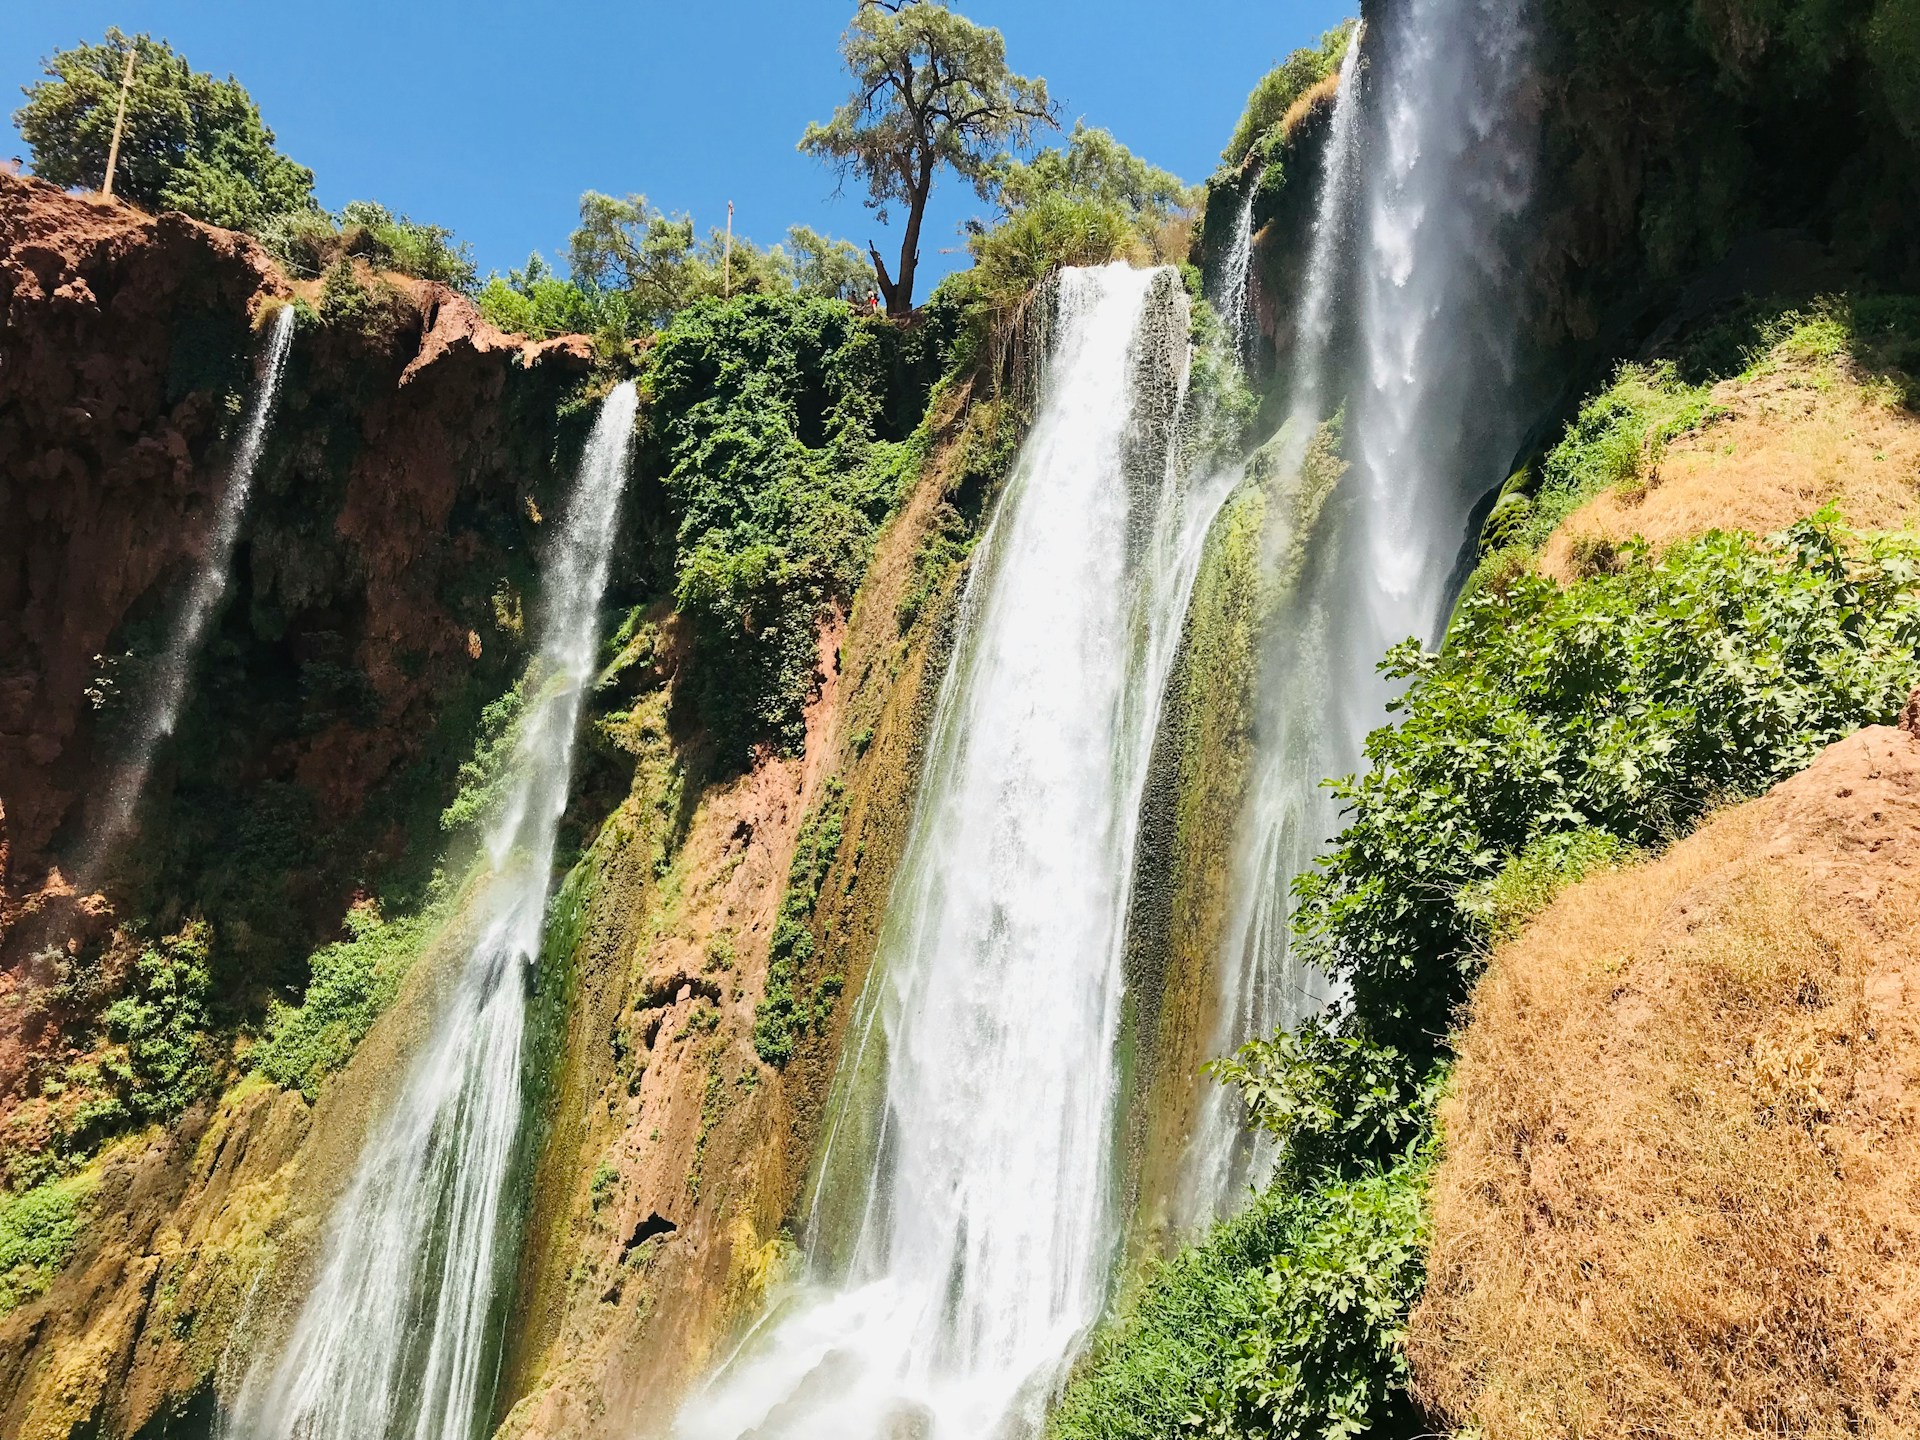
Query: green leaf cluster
[
  {"x": 1275, "y": 92},
  {"x": 39, "y": 1230},
  {"x": 350, "y": 983},
  {"x": 190, "y": 142},
  {"x": 309, "y": 241},
  {"x": 785, "y": 429},
  {"x": 149, "y": 1057},
  {"x": 1626, "y": 704},
  {"x": 1285, "y": 1322},
  {"x": 785, "y": 1013}
]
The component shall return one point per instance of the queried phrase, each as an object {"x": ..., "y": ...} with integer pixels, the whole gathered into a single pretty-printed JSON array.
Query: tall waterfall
[
  {"x": 1450, "y": 150},
  {"x": 982, "y": 1231},
  {"x": 203, "y": 597},
  {"x": 398, "y": 1336}
]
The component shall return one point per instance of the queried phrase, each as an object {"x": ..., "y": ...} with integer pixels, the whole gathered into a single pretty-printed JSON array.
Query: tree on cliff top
[
  {"x": 191, "y": 142},
  {"x": 931, "y": 88}
]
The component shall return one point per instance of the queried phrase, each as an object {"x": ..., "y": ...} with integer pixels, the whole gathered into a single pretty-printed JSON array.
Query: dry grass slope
[
  {"x": 1681, "y": 1191},
  {"x": 1800, "y": 435}
]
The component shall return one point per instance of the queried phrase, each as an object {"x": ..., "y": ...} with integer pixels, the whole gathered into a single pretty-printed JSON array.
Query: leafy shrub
[
  {"x": 1060, "y": 228},
  {"x": 351, "y": 982},
  {"x": 483, "y": 778},
  {"x": 1530, "y": 881},
  {"x": 1285, "y": 1322},
  {"x": 1276, "y": 91},
  {"x": 785, "y": 1014},
  {"x": 1628, "y": 704},
  {"x": 769, "y": 420},
  {"x": 148, "y": 1059},
  {"x": 308, "y": 242},
  {"x": 537, "y": 302},
  {"x": 38, "y": 1232}
]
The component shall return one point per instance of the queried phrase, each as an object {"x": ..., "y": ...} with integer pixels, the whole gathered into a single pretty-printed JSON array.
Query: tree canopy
[
  {"x": 930, "y": 89},
  {"x": 191, "y": 142}
]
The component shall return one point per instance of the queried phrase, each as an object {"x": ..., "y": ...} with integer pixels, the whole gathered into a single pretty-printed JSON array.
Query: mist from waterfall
[
  {"x": 1430, "y": 151},
  {"x": 965, "y": 1230},
  {"x": 169, "y": 688},
  {"x": 399, "y": 1336}
]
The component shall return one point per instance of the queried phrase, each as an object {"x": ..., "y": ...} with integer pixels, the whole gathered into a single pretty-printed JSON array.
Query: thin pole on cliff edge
[
  {"x": 728, "y": 263},
  {"x": 119, "y": 119}
]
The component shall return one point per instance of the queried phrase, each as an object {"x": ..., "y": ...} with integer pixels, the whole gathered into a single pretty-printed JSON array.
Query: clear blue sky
[{"x": 492, "y": 117}]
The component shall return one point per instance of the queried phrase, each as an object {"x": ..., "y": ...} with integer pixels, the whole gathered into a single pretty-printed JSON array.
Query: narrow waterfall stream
[
  {"x": 169, "y": 693},
  {"x": 981, "y": 1230},
  {"x": 398, "y": 1337},
  {"x": 1447, "y": 171},
  {"x": 1233, "y": 294}
]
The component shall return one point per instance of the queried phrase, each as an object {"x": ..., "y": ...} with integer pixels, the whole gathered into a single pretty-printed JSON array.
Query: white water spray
[
  {"x": 981, "y": 1228},
  {"x": 399, "y": 1335},
  {"x": 1430, "y": 428},
  {"x": 203, "y": 597}
]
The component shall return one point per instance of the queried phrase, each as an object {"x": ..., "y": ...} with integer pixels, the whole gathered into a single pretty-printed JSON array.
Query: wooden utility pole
[
  {"x": 727, "y": 262},
  {"x": 119, "y": 119}
]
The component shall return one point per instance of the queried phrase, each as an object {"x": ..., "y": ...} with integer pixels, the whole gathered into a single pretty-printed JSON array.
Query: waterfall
[
  {"x": 398, "y": 1335},
  {"x": 982, "y": 1229},
  {"x": 1236, "y": 280},
  {"x": 1430, "y": 429},
  {"x": 203, "y": 597}
]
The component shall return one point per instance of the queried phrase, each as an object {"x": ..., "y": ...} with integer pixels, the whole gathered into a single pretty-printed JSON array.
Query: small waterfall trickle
[
  {"x": 163, "y": 704},
  {"x": 1429, "y": 428},
  {"x": 399, "y": 1334},
  {"x": 980, "y": 1230},
  {"x": 1233, "y": 294}
]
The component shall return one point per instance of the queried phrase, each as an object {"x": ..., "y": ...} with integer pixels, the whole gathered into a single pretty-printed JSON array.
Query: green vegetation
[
  {"x": 785, "y": 1014},
  {"x": 310, "y": 241},
  {"x": 39, "y": 1230},
  {"x": 191, "y": 142},
  {"x": 1628, "y": 703},
  {"x": 931, "y": 91},
  {"x": 1279, "y": 90},
  {"x": 1286, "y": 1322},
  {"x": 350, "y": 983},
  {"x": 148, "y": 1059},
  {"x": 1562, "y": 731},
  {"x": 632, "y": 269},
  {"x": 785, "y": 430}
]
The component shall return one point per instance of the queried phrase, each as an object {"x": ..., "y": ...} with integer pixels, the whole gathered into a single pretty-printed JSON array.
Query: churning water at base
[
  {"x": 981, "y": 1225},
  {"x": 1450, "y": 150},
  {"x": 398, "y": 1338},
  {"x": 169, "y": 691}
]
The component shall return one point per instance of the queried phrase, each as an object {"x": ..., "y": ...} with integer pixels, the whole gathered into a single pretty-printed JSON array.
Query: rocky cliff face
[
  {"x": 375, "y": 603},
  {"x": 400, "y": 491}
]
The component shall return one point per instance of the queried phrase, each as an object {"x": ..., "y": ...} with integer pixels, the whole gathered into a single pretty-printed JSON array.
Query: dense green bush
[
  {"x": 784, "y": 427},
  {"x": 1628, "y": 703},
  {"x": 38, "y": 1232},
  {"x": 350, "y": 983},
  {"x": 1280, "y": 87},
  {"x": 191, "y": 142},
  {"x": 309, "y": 241},
  {"x": 148, "y": 1059},
  {"x": 1085, "y": 204},
  {"x": 786, "y": 1013},
  {"x": 1285, "y": 1322}
]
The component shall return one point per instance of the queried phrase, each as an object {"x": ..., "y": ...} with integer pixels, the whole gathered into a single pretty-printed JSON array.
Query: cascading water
[
  {"x": 1430, "y": 427},
  {"x": 169, "y": 693},
  {"x": 982, "y": 1231},
  {"x": 398, "y": 1336},
  {"x": 1233, "y": 293}
]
